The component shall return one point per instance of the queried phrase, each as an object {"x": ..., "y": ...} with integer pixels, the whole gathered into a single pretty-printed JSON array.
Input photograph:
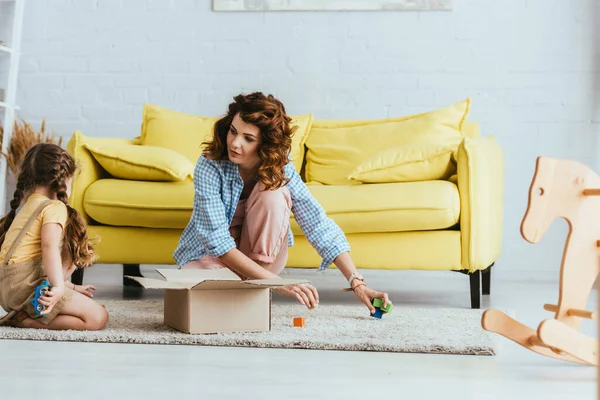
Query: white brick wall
[{"x": 529, "y": 65}]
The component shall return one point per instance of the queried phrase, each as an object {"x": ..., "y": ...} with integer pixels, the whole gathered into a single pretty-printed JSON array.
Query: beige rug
[{"x": 410, "y": 330}]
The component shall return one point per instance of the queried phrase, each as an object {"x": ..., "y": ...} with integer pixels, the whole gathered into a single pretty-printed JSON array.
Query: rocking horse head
[{"x": 555, "y": 192}]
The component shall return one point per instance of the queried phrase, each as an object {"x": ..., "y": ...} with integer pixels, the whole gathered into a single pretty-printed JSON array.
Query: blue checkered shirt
[{"x": 218, "y": 186}]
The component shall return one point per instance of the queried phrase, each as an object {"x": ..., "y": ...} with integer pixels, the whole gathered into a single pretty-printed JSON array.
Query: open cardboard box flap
[{"x": 198, "y": 279}]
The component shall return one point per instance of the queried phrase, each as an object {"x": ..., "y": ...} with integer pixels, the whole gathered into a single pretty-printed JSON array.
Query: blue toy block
[
  {"x": 40, "y": 291},
  {"x": 378, "y": 313}
]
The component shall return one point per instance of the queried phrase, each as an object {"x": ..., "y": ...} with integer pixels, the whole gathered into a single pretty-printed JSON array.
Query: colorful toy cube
[
  {"x": 379, "y": 308},
  {"x": 387, "y": 309},
  {"x": 299, "y": 322},
  {"x": 40, "y": 291}
]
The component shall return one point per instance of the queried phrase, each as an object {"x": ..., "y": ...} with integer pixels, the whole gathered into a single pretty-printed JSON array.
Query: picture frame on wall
[{"x": 332, "y": 5}]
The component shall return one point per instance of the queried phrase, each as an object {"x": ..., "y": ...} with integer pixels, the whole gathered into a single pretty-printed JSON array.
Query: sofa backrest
[{"x": 334, "y": 148}]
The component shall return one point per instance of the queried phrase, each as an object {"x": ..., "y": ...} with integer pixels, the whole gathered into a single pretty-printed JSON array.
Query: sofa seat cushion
[
  {"x": 389, "y": 207},
  {"x": 386, "y": 207},
  {"x": 141, "y": 204}
]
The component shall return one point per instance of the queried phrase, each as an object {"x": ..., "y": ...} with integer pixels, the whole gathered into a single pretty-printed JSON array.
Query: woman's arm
[
  {"x": 361, "y": 290},
  {"x": 345, "y": 264},
  {"x": 245, "y": 266},
  {"x": 237, "y": 261},
  {"x": 327, "y": 238},
  {"x": 324, "y": 235}
]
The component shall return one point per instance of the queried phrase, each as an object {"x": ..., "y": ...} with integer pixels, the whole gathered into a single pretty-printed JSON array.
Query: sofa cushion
[
  {"x": 138, "y": 203},
  {"x": 387, "y": 207},
  {"x": 335, "y": 149},
  {"x": 408, "y": 163},
  {"x": 143, "y": 163},
  {"x": 471, "y": 129},
  {"x": 185, "y": 133}
]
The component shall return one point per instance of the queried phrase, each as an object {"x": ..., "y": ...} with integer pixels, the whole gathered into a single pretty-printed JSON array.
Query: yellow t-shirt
[{"x": 30, "y": 247}]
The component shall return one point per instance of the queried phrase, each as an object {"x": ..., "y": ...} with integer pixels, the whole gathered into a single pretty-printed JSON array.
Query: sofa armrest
[
  {"x": 480, "y": 170},
  {"x": 89, "y": 170}
]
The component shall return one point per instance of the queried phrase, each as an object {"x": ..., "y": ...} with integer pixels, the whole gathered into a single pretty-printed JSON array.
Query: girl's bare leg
[{"x": 79, "y": 313}]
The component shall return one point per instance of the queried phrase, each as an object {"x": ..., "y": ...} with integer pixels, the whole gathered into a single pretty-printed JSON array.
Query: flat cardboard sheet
[
  {"x": 275, "y": 282},
  {"x": 197, "y": 275},
  {"x": 221, "y": 279},
  {"x": 150, "y": 283}
]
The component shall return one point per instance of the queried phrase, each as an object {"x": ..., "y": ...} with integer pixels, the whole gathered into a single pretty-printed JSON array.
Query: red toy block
[{"x": 299, "y": 322}]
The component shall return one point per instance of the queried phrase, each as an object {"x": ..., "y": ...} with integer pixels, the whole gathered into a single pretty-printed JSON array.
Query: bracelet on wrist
[{"x": 354, "y": 281}]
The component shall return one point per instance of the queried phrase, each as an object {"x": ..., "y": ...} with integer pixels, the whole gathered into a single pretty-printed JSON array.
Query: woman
[{"x": 245, "y": 189}]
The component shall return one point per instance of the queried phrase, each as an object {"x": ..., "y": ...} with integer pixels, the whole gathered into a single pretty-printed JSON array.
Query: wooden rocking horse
[{"x": 569, "y": 190}]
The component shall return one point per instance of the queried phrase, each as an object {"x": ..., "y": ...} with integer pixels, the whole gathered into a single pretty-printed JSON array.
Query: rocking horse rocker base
[
  {"x": 569, "y": 190},
  {"x": 552, "y": 338}
]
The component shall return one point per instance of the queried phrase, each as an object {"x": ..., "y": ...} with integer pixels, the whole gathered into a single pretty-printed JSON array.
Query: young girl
[
  {"x": 46, "y": 240},
  {"x": 245, "y": 190}
]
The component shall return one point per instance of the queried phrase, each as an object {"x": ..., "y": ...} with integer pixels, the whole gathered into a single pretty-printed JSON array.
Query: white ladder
[{"x": 8, "y": 105}]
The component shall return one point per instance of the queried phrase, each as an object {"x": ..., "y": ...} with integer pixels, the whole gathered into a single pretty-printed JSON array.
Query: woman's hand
[
  {"x": 305, "y": 293},
  {"x": 85, "y": 290},
  {"x": 51, "y": 297},
  {"x": 366, "y": 295}
]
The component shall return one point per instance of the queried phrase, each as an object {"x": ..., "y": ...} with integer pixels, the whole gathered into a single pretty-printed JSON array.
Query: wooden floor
[{"x": 84, "y": 371}]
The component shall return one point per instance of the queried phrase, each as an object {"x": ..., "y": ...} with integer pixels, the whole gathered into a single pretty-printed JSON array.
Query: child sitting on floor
[{"x": 46, "y": 241}]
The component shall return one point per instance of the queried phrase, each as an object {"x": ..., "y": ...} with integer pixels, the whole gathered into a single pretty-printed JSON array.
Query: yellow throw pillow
[
  {"x": 409, "y": 163},
  {"x": 336, "y": 148},
  {"x": 141, "y": 163},
  {"x": 185, "y": 133}
]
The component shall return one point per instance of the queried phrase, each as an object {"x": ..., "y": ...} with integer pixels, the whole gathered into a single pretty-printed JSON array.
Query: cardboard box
[{"x": 214, "y": 301}]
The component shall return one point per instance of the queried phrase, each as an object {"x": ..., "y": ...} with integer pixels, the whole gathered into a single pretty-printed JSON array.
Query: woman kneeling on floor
[
  {"x": 245, "y": 189},
  {"x": 41, "y": 246}
]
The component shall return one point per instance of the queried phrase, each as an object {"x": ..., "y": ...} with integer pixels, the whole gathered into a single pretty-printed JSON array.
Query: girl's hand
[
  {"x": 366, "y": 295},
  {"x": 305, "y": 293},
  {"x": 85, "y": 290},
  {"x": 51, "y": 298}
]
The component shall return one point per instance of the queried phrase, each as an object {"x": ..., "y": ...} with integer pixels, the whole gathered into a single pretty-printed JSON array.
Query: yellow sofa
[{"x": 420, "y": 192}]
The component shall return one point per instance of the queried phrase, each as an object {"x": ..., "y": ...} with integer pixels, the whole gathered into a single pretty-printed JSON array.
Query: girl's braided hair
[{"x": 50, "y": 166}]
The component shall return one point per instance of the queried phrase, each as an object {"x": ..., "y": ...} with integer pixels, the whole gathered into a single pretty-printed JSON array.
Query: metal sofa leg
[
  {"x": 486, "y": 279},
  {"x": 131, "y": 270},
  {"x": 475, "y": 283},
  {"x": 77, "y": 277}
]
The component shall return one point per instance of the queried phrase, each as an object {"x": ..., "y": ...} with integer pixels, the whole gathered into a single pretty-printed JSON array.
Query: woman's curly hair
[
  {"x": 49, "y": 165},
  {"x": 268, "y": 114}
]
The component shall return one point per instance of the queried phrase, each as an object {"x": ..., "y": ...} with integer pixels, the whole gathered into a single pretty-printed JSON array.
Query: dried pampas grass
[{"x": 23, "y": 137}]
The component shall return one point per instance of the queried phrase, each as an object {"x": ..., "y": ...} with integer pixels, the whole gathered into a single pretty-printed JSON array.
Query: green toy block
[
  {"x": 387, "y": 309},
  {"x": 377, "y": 303}
]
